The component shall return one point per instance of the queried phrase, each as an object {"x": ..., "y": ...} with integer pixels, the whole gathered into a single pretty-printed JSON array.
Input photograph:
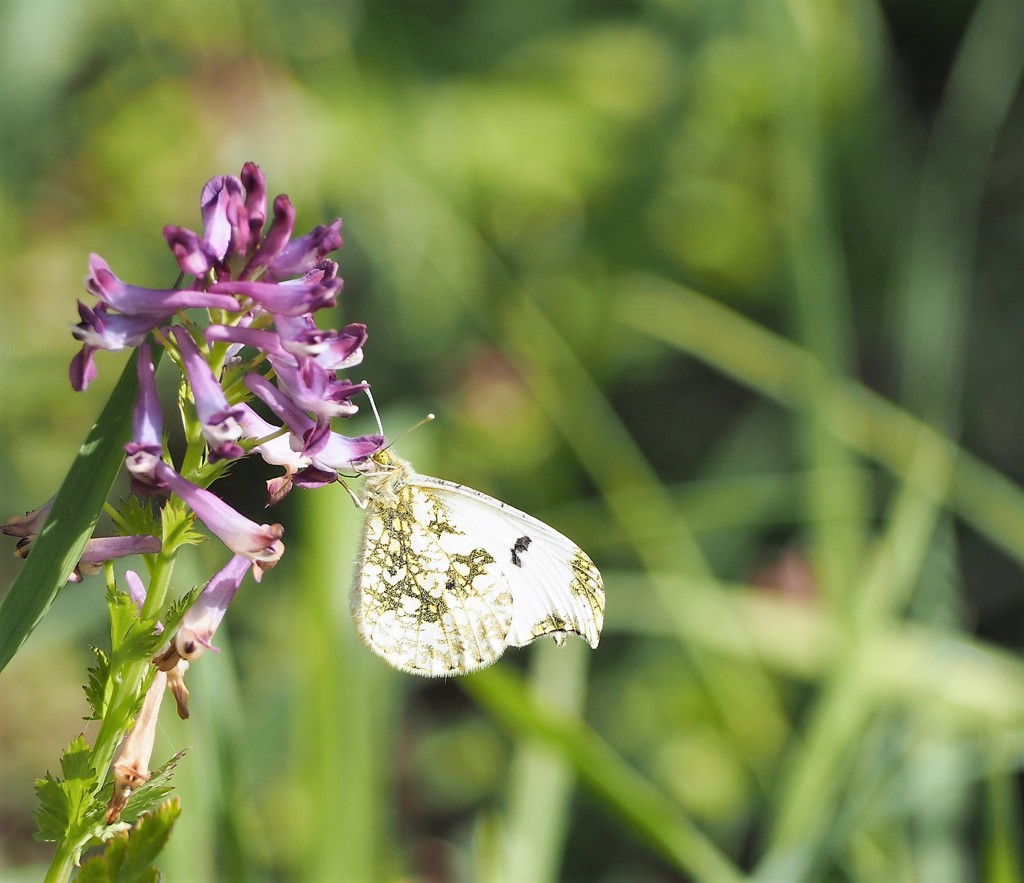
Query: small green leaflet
[{"x": 128, "y": 857}]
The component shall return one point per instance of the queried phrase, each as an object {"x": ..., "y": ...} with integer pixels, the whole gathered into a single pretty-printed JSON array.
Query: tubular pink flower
[
  {"x": 219, "y": 420},
  {"x": 193, "y": 255},
  {"x": 201, "y": 620},
  {"x": 131, "y": 766},
  {"x": 317, "y": 390},
  {"x": 133, "y": 300},
  {"x": 146, "y": 446},
  {"x": 277, "y": 236},
  {"x": 100, "y": 550},
  {"x": 255, "y": 185},
  {"x": 225, "y": 224},
  {"x": 285, "y": 299},
  {"x": 260, "y": 543},
  {"x": 103, "y": 330},
  {"x": 303, "y": 253},
  {"x": 261, "y": 339}
]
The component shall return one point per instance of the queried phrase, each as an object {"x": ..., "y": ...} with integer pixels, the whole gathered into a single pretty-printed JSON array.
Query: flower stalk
[{"x": 258, "y": 376}]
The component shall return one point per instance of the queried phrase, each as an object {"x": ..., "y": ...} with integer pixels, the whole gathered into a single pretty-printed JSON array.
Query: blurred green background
[{"x": 680, "y": 278}]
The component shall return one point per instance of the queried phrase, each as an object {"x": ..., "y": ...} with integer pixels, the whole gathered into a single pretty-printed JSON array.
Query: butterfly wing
[
  {"x": 555, "y": 587},
  {"x": 427, "y": 596}
]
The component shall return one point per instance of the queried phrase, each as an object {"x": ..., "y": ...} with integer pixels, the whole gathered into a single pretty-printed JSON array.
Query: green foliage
[
  {"x": 154, "y": 791},
  {"x": 178, "y": 528},
  {"x": 68, "y": 808},
  {"x": 131, "y": 637},
  {"x": 129, "y": 857},
  {"x": 96, "y": 690},
  {"x": 136, "y": 516}
]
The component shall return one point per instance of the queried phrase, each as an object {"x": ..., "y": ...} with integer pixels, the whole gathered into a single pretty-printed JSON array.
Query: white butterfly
[{"x": 449, "y": 577}]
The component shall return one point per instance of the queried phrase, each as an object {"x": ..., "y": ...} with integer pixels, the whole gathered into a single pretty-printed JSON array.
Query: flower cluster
[
  {"x": 240, "y": 327},
  {"x": 260, "y": 289}
]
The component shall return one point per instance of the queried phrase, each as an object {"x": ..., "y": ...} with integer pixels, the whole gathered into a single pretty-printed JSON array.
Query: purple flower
[
  {"x": 99, "y": 550},
  {"x": 29, "y": 525},
  {"x": 316, "y": 389},
  {"x": 292, "y": 298},
  {"x": 328, "y": 452},
  {"x": 135, "y": 301},
  {"x": 277, "y": 236},
  {"x": 131, "y": 766},
  {"x": 190, "y": 251},
  {"x": 103, "y": 330},
  {"x": 225, "y": 221},
  {"x": 219, "y": 420},
  {"x": 303, "y": 253},
  {"x": 260, "y": 543},
  {"x": 146, "y": 446},
  {"x": 202, "y": 619},
  {"x": 255, "y": 198}
]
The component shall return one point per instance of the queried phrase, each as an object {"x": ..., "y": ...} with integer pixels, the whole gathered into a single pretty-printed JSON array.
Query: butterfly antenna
[
  {"x": 373, "y": 407},
  {"x": 426, "y": 419},
  {"x": 380, "y": 426}
]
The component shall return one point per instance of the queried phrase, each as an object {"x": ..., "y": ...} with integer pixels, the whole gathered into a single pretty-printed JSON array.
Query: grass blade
[{"x": 71, "y": 521}]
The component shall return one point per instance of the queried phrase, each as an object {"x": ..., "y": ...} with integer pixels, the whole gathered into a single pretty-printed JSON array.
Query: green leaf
[
  {"x": 176, "y": 609},
  {"x": 154, "y": 791},
  {"x": 68, "y": 805},
  {"x": 136, "y": 517},
  {"x": 177, "y": 527},
  {"x": 71, "y": 521},
  {"x": 96, "y": 691},
  {"x": 130, "y": 637},
  {"x": 129, "y": 858}
]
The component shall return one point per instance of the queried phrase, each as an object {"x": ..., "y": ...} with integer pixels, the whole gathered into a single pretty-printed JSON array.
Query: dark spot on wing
[{"x": 521, "y": 545}]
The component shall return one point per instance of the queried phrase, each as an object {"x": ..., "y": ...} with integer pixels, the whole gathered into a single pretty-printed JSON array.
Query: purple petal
[
  {"x": 277, "y": 236},
  {"x": 201, "y": 620},
  {"x": 303, "y": 253},
  {"x": 219, "y": 420},
  {"x": 288, "y": 299},
  {"x": 136, "y": 301},
  {"x": 222, "y": 203},
  {"x": 192, "y": 254},
  {"x": 255, "y": 199}
]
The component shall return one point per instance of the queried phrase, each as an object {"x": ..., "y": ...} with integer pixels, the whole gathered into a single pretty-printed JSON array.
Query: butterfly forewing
[
  {"x": 556, "y": 589},
  {"x": 449, "y": 577}
]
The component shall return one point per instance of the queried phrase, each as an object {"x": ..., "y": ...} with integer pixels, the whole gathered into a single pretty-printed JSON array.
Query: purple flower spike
[
  {"x": 200, "y": 622},
  {"x": 146, "y": 446},
  {"x": 219, "y": 420},
  {"x": 260, "y": 543},
  {"x": 133, "y": 300},
  {"x": 303, "y": 253}
]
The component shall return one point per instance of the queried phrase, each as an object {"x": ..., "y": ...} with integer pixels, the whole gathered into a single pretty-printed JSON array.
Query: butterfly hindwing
[
  {"x": 556, "y": 589},
  {"x": 425, "y": 597}
]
